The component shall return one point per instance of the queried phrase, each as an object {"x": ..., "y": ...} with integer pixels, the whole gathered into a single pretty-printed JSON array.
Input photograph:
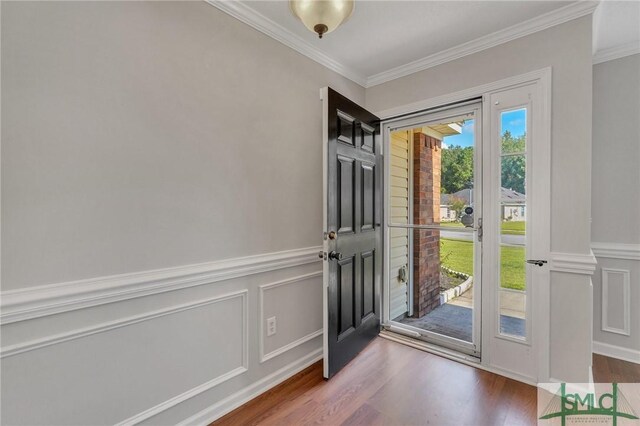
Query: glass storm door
[{"x": 433, "y": 217}]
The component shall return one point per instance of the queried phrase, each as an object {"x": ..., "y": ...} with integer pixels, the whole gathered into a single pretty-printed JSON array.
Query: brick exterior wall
[{"x": 426, "y": 211}]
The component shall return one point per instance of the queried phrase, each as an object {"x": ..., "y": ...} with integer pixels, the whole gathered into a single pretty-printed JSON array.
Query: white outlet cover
[{"x": 271, "y": 326}]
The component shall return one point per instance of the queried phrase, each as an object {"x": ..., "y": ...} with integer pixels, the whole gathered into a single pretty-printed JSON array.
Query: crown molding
[
  {"x": 616, "y": 52},
  {"x": 539, "y": 23},
  {"x": 244, "y": 13},
  {"x": 40, "y": 301}
]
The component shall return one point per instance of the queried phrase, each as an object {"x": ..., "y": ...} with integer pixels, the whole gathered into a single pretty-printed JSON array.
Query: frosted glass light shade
[{"x": 322, "y": 16}]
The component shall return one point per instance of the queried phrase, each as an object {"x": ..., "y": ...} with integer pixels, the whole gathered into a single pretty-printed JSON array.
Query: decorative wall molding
[
  {"x": 35, "y": 302},
  {"x": 210, "y": 384},
  {"x": 539, "y": 23},
  {"x": 124, "y": 322},
  {"x": 618, "y": 352},
  {"x": 219, "y": 409},
  {"x": 616, "y": 250},
  {"x": 626, "y": 302},
  {"x": 249, "y": 16},
  {"x": 80, "y": 333},
  {"x": 573, "y": 263},
  {"x": 262, "y": 325},
  {"x": 616, "y": 52}
]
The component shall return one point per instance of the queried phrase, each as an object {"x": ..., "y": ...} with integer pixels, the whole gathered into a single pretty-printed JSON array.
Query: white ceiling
[
  {"x": 384, "y": 34},
  {"x": 388, "y": 39}
]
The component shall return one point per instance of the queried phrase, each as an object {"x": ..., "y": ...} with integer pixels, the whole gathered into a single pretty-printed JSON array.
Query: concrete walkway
[
  {"x": 455, "y": 319},
  {"x": 512, "y": 303}
]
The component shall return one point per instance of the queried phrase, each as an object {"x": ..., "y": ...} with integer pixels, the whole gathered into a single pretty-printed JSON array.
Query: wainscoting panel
[
  {"x": 158, "y": 347},
  {"x": 616, "y": 322},
  {"x": 616, "y": 301},
  {"x": 133, "y": 367},
  {"x": 296, "y": 304}
]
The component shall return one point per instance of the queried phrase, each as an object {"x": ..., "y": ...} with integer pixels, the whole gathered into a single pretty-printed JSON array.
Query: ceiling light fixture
[{"x": 322, "y": 16}]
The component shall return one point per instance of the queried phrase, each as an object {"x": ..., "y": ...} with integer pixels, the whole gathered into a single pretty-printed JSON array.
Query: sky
[{"x": 513, "y": 121}]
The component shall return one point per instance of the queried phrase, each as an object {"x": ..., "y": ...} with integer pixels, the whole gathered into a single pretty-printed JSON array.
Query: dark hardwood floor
[
  {"x": 608, "y": 370},
  {"x": 393, "y": 384}
]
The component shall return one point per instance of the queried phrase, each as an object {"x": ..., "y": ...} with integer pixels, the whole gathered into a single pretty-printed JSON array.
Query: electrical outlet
[{"x": 271, "y": 326}]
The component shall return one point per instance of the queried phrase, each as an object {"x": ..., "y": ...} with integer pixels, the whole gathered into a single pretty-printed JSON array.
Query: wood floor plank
[
  {"x": 608, "y": 370},
  {"x": 393, "y": 384}
]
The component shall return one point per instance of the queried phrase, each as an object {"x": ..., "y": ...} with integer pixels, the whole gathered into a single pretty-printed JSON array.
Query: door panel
[
  {"x": 352, "y": 270},
  {"x": 345, "y": 185},
  {"x": 368, "y": 196},
  {"x": 368, "y": 283}
]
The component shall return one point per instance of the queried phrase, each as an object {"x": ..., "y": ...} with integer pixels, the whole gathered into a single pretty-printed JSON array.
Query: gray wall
[
  {"x": 141, "y": 136},
  {"x": 616, "y": 203},
  {"x": 567, "y": 49},
  {"x": 616, "y": 151},
  {"x": 151, "y": 134}
]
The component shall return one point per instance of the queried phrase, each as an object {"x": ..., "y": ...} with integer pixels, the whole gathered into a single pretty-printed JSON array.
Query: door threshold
[
  {"x": 429, "y": 347},
  {"x": 452, "y": 355}
]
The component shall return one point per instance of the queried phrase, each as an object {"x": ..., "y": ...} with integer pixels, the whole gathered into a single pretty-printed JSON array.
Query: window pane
[
  {"x": 513, "y": 177},
  {"x": 513, "y": 131},
  {"x": 512, "y": 291},
  {"x": 512, "y": 313}
]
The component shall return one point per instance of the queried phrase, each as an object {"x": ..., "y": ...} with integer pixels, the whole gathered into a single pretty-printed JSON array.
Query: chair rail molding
[
  {"x": 573, "y": 263},
  {"x": 35, "y": 302},
  {"x": 616, "y": 250}
]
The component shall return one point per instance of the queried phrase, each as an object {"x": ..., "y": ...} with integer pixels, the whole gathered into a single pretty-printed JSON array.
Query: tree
[
  {"x": 457, "y": 166},
  {"x": 456, "y": 169},
  {"x": 457, "y": 204},
  {"x": 513, "y": 166}
]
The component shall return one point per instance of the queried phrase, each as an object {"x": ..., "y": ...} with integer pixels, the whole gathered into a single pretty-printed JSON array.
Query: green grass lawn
[
  {"x": 512, "y": 228},
  {"x": 460, "y": 258}
]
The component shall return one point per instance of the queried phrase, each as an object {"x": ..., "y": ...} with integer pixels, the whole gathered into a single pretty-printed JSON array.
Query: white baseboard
[
  {"x": 617, "y": 352},
  {"x": 219, "y": 409}
]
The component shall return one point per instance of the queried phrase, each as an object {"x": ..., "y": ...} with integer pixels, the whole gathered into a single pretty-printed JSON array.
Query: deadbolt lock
[{"x": 332, "y": 235}]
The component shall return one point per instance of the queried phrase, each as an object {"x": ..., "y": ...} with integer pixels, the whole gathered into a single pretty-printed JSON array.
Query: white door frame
[{"x": 541, "y": 311}]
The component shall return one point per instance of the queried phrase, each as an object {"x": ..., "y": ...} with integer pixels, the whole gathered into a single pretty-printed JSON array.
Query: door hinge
[{"x": 480, "y": 229}]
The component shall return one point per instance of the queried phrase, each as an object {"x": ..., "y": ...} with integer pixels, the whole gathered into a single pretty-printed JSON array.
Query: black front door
[{"x": 353, "y": 235}]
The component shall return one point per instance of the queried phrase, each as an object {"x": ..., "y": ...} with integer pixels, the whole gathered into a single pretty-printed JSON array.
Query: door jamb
[{"x": 542, "y": 78}]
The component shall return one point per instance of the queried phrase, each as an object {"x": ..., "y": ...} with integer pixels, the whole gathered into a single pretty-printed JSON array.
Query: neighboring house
[{"x": 513, "y": 204}]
